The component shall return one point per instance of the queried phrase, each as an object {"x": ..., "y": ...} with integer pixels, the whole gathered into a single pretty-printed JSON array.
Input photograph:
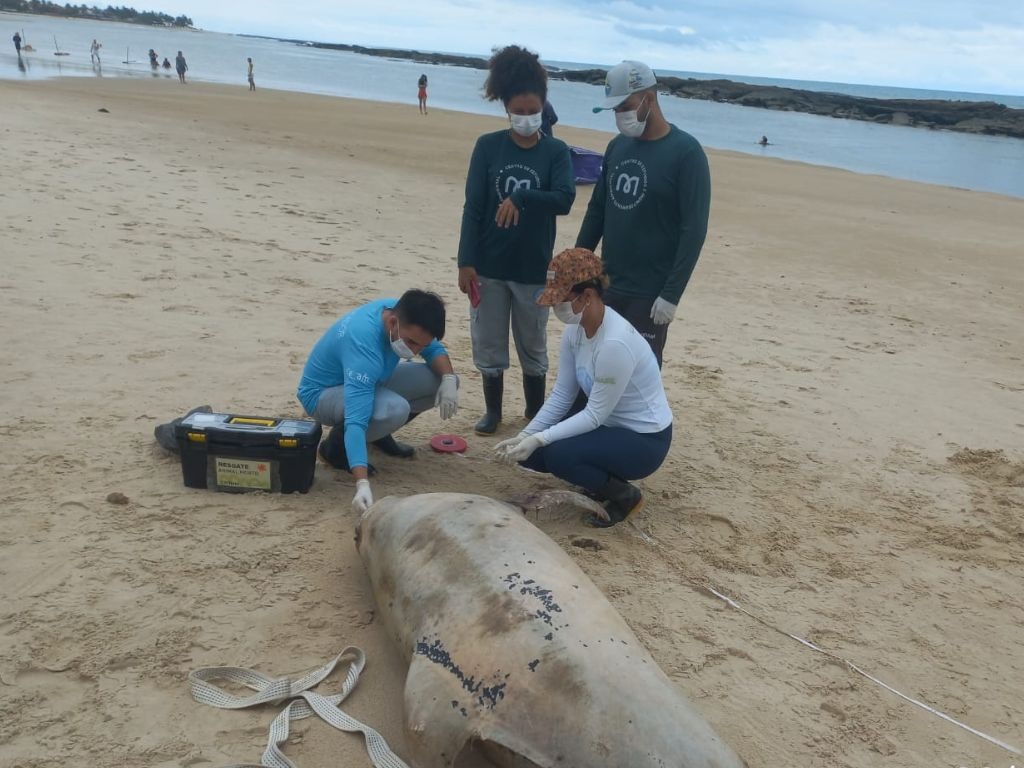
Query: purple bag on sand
[{"x": 586, "y": 164}]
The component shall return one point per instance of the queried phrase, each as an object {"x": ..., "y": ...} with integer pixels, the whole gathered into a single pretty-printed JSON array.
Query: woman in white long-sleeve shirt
[{"x": 625, "y": 430}]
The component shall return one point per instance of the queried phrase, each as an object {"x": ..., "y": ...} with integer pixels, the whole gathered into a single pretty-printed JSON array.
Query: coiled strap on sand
[{"x": 304, "y": 703}]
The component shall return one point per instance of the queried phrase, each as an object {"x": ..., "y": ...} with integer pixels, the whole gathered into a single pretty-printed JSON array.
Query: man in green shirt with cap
[{"x": 650, "y": 205}]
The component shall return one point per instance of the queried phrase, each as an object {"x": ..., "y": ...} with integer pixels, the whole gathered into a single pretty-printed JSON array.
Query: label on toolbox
[{"x": 241, "y": 473}]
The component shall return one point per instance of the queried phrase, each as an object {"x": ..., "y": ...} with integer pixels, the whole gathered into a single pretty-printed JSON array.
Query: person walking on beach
[
  {"x": 94, "y": 51},
  {"x": 181, "y": 66},
  {"x": 518, "y": 182},
  {"x": 423, "y": 94},
  {"x": 252, "y": 83},
  {"x": 167, "y": 63},
  {"x": 17, "y": 44},
  {"x": 650, "y": 205},
  {"x": 154, "y": 59},
  {"x": 359, "y": 381}
]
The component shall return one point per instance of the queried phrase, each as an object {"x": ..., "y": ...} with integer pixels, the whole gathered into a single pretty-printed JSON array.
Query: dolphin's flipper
[
  {"x": 438, "y": 720},
  {"x": 444, "y": 731},
  {"x": 555, "y": 505}
]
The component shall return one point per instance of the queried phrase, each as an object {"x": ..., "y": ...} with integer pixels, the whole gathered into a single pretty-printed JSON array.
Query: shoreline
[
  {"x": 972, "y": 161},
  {"x": 595, "y": 140},
  {"x": 982, "y": 118},
  {"x": 972, "y": 117}
]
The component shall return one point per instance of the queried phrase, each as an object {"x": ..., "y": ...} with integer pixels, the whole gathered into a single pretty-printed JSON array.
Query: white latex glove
[
  {"x": 363, "y": 498},
  {"x": 662, "y": 311},
  {"x": 447, "y": 400},
  {"x": 505, "y": 446},
  {"x": 523, "y": 449}
]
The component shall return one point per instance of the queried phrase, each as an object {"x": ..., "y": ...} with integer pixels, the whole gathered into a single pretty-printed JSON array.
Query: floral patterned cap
[{"x": 571, "y": 266}]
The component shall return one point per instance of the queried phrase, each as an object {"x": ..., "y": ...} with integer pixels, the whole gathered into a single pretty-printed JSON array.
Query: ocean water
[{"x": 984, "y": 163}]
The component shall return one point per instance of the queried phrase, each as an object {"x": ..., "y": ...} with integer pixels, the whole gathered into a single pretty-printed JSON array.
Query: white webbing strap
[
  {"x": 845, "y": 662},
  {"x": 304, "y": 703}
]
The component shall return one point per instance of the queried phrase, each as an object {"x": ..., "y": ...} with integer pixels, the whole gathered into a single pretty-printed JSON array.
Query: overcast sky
[{"x": 973, "y": 46}]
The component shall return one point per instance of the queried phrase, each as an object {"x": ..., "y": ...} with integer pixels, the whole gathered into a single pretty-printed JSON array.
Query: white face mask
[
  {"x": 629, "y": 125},
  {"x": 399, "y": 347},
  {"x": 564, "y": 313},
  {"x": 526, "y": 125}
]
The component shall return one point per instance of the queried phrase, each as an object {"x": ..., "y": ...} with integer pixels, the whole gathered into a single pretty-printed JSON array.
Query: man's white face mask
[
  {"x": 399, "y": 347},
  {"x": 628, "y": 123}
]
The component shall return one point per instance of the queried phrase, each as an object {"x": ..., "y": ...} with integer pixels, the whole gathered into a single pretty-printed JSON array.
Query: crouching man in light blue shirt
[{"x": 355, "y": 383}]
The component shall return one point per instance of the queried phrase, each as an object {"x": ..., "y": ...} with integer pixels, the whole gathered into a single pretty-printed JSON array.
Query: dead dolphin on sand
[{"x": 516, "y": 657}]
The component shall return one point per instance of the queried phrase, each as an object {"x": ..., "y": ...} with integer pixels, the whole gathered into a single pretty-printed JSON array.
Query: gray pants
[
  {"x": 502, "y": 301},
  {"x": 411, "y": 389}
]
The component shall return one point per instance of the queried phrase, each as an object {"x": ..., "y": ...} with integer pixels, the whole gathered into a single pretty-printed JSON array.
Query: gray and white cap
[{"x": 624, "y": 79}]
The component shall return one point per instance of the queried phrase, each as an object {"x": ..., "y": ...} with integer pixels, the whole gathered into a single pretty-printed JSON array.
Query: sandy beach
[{"x": 846, "y": 371}]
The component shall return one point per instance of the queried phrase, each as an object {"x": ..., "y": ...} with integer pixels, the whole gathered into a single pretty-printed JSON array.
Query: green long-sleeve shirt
[
  {"x": 651, "y": 206},
  {"x": 540, "y": 182}
]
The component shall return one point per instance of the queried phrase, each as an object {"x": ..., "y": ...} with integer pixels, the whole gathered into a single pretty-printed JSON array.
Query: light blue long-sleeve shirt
[{"x": 355, "y": 353}]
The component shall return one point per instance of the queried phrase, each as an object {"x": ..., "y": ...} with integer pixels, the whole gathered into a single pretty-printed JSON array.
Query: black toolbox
[{"x": 225, "y": 452}]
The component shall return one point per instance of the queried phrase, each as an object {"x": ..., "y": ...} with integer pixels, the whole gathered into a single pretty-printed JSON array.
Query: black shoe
[
  {"x": 494, "y": 391},
  {"x": 488, "y": 424},
  {"x": 332, "y": 451},
  {"x": 164, "y": 433},
  {"x": 533, "y": 392},
  {"x": 624, "y": 500},
  {"x": 392, "y": 447},
  {"x": 332, "y": 448}
]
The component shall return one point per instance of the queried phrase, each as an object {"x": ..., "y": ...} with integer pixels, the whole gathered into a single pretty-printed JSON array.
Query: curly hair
[{"x": 513, "y": 71}]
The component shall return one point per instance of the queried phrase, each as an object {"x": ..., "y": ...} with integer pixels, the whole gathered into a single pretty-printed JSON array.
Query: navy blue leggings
[{"x": 588, "y": 459}]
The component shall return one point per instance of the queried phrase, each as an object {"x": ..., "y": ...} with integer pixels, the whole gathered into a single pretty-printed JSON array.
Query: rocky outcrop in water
[{"x": 985, "y": 117}]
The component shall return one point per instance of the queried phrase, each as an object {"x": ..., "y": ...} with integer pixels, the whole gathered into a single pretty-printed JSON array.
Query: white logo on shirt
[
  {"x": 358, "y": 376},
  {"x": 627, "y": 184},
  {"x": 512, "y": 184},
  {"x": 513, "y": 177},
  {"x": 343, "y": 326}
]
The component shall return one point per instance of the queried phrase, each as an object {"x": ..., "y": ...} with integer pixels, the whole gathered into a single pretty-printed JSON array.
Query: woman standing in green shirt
[{"x": 518, "y": 181}]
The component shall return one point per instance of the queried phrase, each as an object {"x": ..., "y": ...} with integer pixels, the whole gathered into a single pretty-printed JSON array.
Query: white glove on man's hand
[
  {"x": 519, "y": 448},
  {"x": 447, "y": 400},
  {"x": 363, "y": 498},
  {"x": 662, "y": 311}
]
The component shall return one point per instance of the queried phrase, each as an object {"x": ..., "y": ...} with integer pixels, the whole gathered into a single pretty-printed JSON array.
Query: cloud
[
  {"x": 915, "y": 56},
  {"x": 942, "y": 44},
  {"x": 668, "y": 35}
]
